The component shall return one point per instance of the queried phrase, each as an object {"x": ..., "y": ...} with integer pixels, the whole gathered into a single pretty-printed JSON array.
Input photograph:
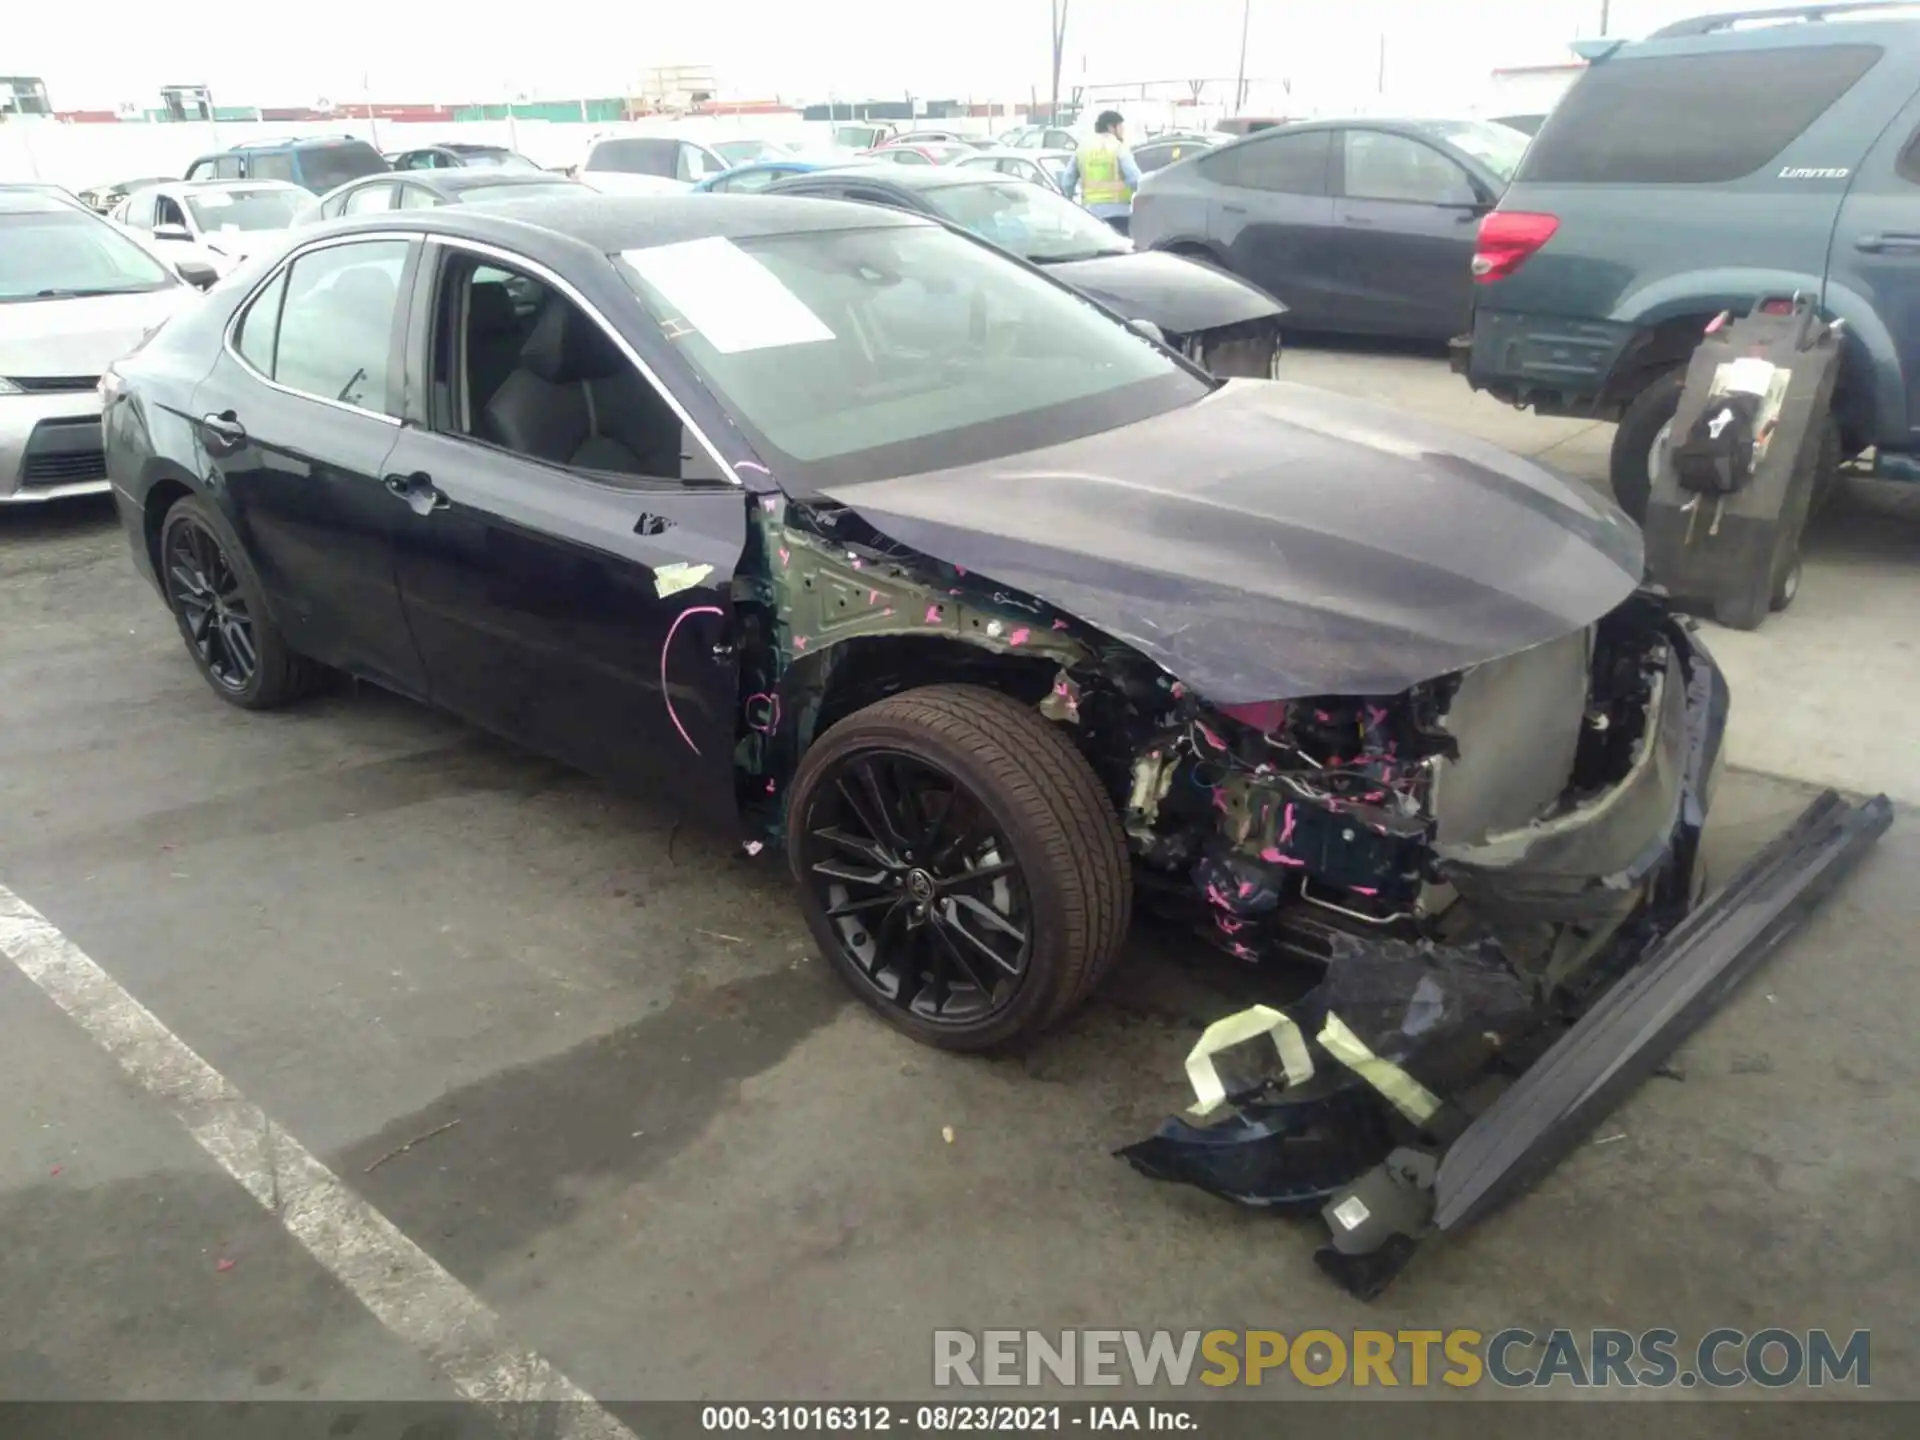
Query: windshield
[
  {"x": 745, "y": 152},
  {"x": 67, "y": 252},
  {"x": 531, "y": 191},
  {"x": 639, "y": 156},
  {"x": 1498, "y": 147},
  {"x": 1027, "y": 219},
  {"x": 219, "y": 210},
  {"x": 852, "y": 355},
  {"x": 322, "y": 167}
]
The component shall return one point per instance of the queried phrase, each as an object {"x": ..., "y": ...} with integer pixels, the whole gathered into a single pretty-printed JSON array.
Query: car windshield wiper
[{"x": 63, "y": 294}]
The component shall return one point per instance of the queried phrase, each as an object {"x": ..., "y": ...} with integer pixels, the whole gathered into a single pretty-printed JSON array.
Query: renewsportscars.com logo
[{"x": 1513, "y": 1358}]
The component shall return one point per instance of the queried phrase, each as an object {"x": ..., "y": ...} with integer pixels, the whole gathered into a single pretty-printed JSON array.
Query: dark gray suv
[{"x": 1718, "y": 164}]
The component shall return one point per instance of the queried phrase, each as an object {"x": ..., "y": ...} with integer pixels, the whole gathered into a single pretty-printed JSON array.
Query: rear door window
[
  {"x": 1286, "y": 164},
  {"x": 1690, "y": 119},
  {"x": 273, "y": 165},
  {"x": 336, "y": 326}
]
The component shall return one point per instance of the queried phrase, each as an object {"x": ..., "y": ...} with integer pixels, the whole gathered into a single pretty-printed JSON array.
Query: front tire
[
  {"x": 959, "y": 865},
  {"x": 219, "y": 604}
]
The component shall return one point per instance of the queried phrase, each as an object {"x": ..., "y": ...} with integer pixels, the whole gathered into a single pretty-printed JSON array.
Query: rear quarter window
[{"x": 1691, "y": 119}]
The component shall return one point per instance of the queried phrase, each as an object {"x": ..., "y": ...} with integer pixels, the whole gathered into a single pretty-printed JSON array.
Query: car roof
[
  {"x": 923, "y": 177},
  {"x": 611, "y": 223},
  {"x": 202, "y": 187},
  {"x": 454, "y": 181}
]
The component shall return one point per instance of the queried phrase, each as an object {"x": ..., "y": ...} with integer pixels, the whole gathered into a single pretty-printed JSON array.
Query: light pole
[
  {"x": 1605, "y": 7},
  {"x": 1240, "y": 80},
  {"x": 1059, "y": 8}
]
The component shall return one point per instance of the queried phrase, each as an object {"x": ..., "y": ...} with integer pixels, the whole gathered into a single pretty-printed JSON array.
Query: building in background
[{"x": 23, "y": 95}]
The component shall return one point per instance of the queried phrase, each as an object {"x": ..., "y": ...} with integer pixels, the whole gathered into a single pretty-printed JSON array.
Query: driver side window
[
  {"x": 518, "y": 366},
  {"x": 166, "y": 212}
]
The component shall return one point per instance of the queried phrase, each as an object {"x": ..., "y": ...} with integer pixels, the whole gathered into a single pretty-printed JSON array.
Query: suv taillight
[{"x": 1507, "y": 238}]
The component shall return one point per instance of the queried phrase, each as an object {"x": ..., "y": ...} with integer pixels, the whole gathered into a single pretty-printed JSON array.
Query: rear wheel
[
  {"x": 217, "y": 600},
  {"x": 959, "y": 865},
  {"x": 1640, "y": 444}
]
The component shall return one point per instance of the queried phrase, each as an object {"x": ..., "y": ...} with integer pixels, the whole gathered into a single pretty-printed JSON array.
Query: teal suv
[{"x": 1722, "y": 163}]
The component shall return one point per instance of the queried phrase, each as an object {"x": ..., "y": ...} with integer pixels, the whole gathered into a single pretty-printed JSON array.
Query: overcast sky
[{"x": 104, "y": 52}]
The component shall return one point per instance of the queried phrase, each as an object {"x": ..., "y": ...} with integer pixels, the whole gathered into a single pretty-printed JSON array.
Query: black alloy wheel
[
  {"x": 960, "y": 864},
  {"x": 927, "y": 902},
  {"x": 222, "y": 612},
  {"x": 204, "y": 590}
]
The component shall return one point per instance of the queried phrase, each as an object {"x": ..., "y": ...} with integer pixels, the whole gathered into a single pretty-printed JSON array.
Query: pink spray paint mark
[
  {"x": 960, "y": 570},
  {"x": 1020, "y": 636},
  {"x": 799, "y": 642},
  {"x": 785, "y": 555},
  {"x": 1059, "y": 624},
  {"x": 1246, "y": 889},
  {"x": 1178, "y": 690},
  {"x": 873, "y": 597},
  {"x": 1228, "y": 925},
  {"x": 1274, "y": 857},
  {"x": 1322, "y": 717},
  {"x": 1286, "y": 823},
  {"x": 1375, "y": 715},
  {"x": 1212, "y": 739},
  {"x": 1218, "y": 896},
  {"x": 953, "y": 592},
  {"x": 933, "y": 614},
  {"x": 887, "y": 611},
  {"x": 1364, "y": 890},
  {"x": 769, "y": 785},
  {"x": 1220, "y": 801},
  {"x": 769, "y": 503},
  {"x": 666, "y": 693},
  {"x": 859, "y": 564},
  {"x": 1241, "y": 952},
  {"x": 771, "y": 721}
]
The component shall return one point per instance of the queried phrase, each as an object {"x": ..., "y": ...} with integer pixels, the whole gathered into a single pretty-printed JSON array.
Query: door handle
[
  {"x": 1234, "y": 209},
  {"x": 418, "y": 491},
  {"x": 1356, "y": 220},
  {"x": 225, "y": 430},
  {"x": 1892, "y": 240}
]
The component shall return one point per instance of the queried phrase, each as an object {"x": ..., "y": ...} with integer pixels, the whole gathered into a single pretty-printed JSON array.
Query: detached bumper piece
[{"x": 1385, "y": 1159}]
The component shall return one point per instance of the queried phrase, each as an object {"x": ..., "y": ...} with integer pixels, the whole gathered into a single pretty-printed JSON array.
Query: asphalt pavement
[{"x": 581, "y": 1058}]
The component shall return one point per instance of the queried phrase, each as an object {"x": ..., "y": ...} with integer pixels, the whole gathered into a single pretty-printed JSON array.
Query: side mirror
[
  {"x": 198, "y": 274},
  {"x": 1147, "y": 328},
  {"x": 172, "y": 232}
]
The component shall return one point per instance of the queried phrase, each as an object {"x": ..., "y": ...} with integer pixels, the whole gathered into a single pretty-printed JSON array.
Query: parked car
[
  {"x": 1041, "y": 167},
  {"x": 462, "y": 156},
  {"x": 863, "y": 135},
  {"x": 318, "y": 163},
  {"x": 102, "y": 198},
  {"x": 75, "y": 295},
  {"x": 220, "y": 222},
  {"x": 423, "y": 190},
  {"x": 1237, "y": 125},
  {"x": 927, "y": 137},
  {"x": 745, "y": 179},
  {"x": 1162, "y": 151},
  {"x": 1360, "y": 226},
  {"x": 648, "y": 164},
  {"x": 1039, "y": 137},
  {"x": 1644, "y": 209},
  {"x": 931, "y": 152},
  {"x": 1219, "y": 321},
  {"x": 978, "y": 610},
  {"x": 1528, "y": 125},
  {"x": 745, "y": 151}
]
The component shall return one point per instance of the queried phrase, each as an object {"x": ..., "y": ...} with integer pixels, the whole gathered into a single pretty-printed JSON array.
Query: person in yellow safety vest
[{"x": 1102, "y": 170}]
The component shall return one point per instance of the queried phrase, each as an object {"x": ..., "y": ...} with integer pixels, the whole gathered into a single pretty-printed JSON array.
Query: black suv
[
  {"x": 318, "y": 163},
  {"x": 1722, "y": 162}
]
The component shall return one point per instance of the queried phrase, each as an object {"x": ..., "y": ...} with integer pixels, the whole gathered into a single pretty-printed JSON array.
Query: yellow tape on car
[{"x": 1209, "y": 1094}]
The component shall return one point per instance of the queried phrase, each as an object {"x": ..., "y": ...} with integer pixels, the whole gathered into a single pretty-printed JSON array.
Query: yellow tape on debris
[
  {"x": 1403, "y": 1092},
  {"x": 1209, "y": 1094}
]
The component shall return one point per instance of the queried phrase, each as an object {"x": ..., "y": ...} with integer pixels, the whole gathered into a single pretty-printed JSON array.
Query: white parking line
[{"x": 402, "y": 1285}]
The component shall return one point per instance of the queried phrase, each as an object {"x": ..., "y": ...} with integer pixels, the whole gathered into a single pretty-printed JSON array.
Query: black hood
[
  {"x": 1180, "y": 296},
  {"x": 1274, "y": 541}
]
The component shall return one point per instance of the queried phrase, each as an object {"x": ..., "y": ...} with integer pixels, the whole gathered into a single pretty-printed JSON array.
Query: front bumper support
[{"x": 1455, "y": 1170}]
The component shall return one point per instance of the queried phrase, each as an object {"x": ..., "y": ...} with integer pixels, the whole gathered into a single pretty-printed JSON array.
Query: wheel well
[
  {"x": 162, "y": 496},
  {"x": 1649, "y": 355},
  {"x": 859, "y": 672}
]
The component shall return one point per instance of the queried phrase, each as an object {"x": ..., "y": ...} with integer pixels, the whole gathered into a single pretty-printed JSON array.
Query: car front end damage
[{"x": 1481, "y": 871}]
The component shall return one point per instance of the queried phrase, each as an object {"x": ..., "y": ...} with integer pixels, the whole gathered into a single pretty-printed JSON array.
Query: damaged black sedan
[{"x": 846, "y": 529}]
